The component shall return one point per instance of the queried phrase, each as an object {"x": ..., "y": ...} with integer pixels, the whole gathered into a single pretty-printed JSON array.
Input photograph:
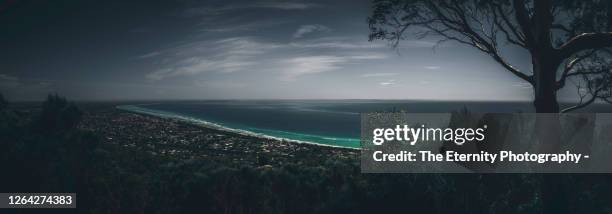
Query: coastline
[{"x": 134, "y": 108}]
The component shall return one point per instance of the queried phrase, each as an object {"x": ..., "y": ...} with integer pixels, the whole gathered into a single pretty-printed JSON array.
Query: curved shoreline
[{"x": 199, "y": 122}]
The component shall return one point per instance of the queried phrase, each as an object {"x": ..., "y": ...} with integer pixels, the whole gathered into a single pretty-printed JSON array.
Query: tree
[
  {"x": 58, "y": 115},
  {"x": 567, "y": 39}
]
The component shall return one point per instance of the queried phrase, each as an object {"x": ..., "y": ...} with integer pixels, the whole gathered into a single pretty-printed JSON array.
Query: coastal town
[{"x": 180, "y": 139}]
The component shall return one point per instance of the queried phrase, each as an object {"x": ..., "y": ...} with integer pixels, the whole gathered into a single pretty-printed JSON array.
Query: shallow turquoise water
[{"x": 329, "y": 122}]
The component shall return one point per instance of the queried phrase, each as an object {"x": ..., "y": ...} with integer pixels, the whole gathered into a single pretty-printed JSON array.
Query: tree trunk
[
  {"x": 545, "y": 87},
  {"x": 545, "y": 101},
  {"x": 548, "y": 128}
]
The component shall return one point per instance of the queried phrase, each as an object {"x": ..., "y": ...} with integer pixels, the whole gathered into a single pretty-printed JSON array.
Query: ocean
[{"x": 328, "y": 122}]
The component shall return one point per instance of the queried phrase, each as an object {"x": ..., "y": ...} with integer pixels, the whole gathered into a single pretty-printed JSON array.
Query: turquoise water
[
  {"x": 329, "y": 122},
  {"x": 264, "y": 121}
]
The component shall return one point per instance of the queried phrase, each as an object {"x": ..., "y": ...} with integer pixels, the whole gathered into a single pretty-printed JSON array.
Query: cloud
[
  {"x": 8, "y": 81},
  {"x": 344, "y": 43},
  {"x": 255, "y": 25},
  {"x": 245, "y": 54},
  {"x": 336, "y": 44},
  {"x": 224, "y": 18},
  {"x": 387, "y": 83},
  {"x": 379, "y": 74},
  {"x": 224, "y": 84},
  {"x": 522, "y": 85},
  {"x": 419, "y": 44},
  {"x": 193, "y": 66},
  {"x": 5, "y": 77},
  {"x": 210, "y": 10},
  {"x": 357, "y": 42},
  {"x": 368, "y": 56},
  {"x": 310, "y": 65},
  {"x": 18, "y": 87},
  {"x": 306, "y": 29},
  {"x": 282, "y": 5},
  {"x": 432, "y": 67},
  {"x": 299, "y": 66},
  {"x": 224, "y": 56},
  {"x": 149, "y": 55}
]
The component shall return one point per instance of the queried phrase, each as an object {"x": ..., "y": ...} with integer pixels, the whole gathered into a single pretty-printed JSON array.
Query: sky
[{"x": 271, "y": 49}]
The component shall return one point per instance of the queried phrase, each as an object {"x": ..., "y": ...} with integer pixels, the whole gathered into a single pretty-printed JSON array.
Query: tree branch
[
  {"x": 570, "y": 65},
  {"x": 598, "y": 88},
  {"x": 564, "y": 29},
  {"x": 524, "y": 21},
  {"x": 585, "y": 41},
  {"x": 512, "y": 35},
  {"x": 511, "y": 68},
  {"x": 484, "y": 43},
  {"x": 582, "y": 104}
]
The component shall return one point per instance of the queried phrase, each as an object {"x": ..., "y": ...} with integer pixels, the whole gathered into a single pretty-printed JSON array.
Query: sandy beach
[{"x": 179, "y": 139}]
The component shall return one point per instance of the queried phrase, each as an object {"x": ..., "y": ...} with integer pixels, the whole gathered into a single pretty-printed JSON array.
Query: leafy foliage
[{"x": 58, "y": 115}]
